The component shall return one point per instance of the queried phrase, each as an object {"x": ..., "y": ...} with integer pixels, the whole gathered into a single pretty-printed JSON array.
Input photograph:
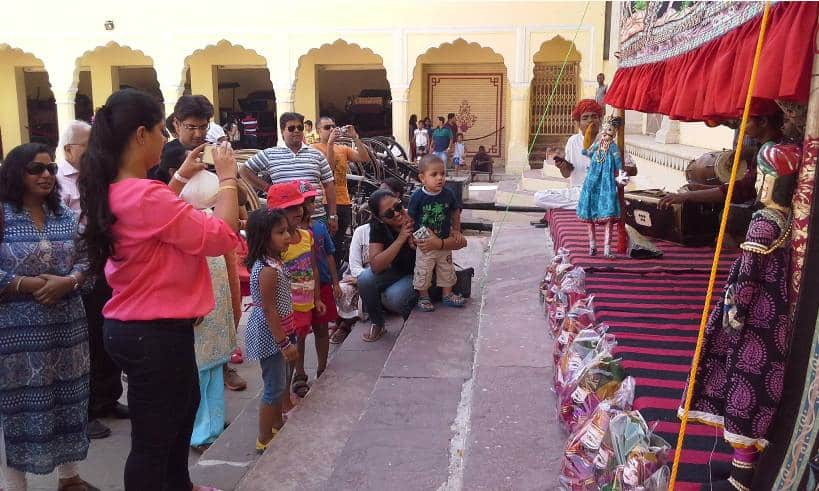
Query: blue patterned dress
[
  {"x": 599, "y": 202},
  {"x": 44, "y": 354}
]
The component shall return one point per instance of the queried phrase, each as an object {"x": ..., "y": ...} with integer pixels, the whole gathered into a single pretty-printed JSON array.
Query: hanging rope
[{"x": 706, "y": 310}]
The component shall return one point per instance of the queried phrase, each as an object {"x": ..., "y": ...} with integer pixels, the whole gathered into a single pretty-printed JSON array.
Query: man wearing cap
[{"x": 295, "y": 161}]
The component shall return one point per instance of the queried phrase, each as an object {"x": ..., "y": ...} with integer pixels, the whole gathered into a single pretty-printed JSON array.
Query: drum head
[{"x": 725, "y": 160}]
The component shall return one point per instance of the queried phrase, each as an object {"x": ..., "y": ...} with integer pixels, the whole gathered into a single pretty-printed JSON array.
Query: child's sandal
[
  {"x": 454, "y": 300},
  {"x": 425, "y": 305},
  {"x": 261, "y": 447}
]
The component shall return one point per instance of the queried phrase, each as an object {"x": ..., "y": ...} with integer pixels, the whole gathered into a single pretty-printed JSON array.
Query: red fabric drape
[{"x": 711, "y": 81}]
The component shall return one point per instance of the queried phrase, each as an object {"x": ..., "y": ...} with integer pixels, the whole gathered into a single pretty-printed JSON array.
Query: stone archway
[
  {"x": 347, "y": 82},
  {"x": 27, "y": 108},
  {"x": 237, "y": 81},
  {"x": 471, "y": 81}
]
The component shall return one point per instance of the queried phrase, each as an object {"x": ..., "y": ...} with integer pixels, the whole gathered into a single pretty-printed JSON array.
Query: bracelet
[
  {"x": 228, "y": 179},
  {"x": 76, "y": 281},
  {"x": 284, "y": 344},
  {"x": 442, "y": 244},
  {"x": 178, "y": 177},
  {"x": 19, "y": 282},
  {"x": 228, "y": 186}
]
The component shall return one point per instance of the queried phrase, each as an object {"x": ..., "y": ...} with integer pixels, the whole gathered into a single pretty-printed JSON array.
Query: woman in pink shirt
[{"x": 152, "y": 247}]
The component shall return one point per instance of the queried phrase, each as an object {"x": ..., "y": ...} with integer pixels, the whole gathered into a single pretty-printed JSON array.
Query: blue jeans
[
  {"x": 441, "y": 155},
  {"x": 388, "y": 289},
  {"x": 274, "y": 375}
]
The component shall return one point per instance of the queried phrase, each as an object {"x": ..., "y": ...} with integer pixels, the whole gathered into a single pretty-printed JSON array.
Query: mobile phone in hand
[
  {"x": 207, "y": 155},
  {"x": 421, "y": 234}
]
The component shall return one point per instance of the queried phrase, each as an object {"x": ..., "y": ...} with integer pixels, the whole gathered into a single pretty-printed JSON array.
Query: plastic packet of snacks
[
  {"x": 579, "y": 317},
  {"x": 586, "y": 387},
  {"x": 573, "y": 284},
  {"x": 562, "y": 256},
  {"x": 632, "y": 456},
  {"x": 580, "y": 352},
  {"x": 578, "y": 470},
  {"x": 558, "y": 298}
]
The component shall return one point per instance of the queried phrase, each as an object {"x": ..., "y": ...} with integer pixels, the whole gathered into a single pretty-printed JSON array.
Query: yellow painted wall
[
  {"x": 103, "y": 64},
  {"x": 305, "y": 98},
  {"x": 699, "y": 135},
  {"x": 13, "y": 112}
]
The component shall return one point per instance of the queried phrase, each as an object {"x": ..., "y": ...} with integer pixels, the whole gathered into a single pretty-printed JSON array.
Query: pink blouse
[{"x": 159, "y": 270}]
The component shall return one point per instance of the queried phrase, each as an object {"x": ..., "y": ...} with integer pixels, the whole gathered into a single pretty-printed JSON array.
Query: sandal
[
  {"x": 375, "y": 333},
  {"x": 261, "y": 447},
  {"x": 76, "y": 484},
  {"x": 425, "y": 304},
  {"x": 300, "y": 385},
  {"x": 341, "y": 332},
  {"x": 453, "y": 300}
]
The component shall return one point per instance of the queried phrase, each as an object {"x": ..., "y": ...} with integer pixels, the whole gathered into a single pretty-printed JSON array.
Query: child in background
[
  {"x": 421, "y": 140},
  {"x": 435, "y": 207},
  {"x": 271, "y": 319},
  {"x": 300, "y": 262},
  {"x": 329, "y": 288},
  {"x": 460, "y": 151}
]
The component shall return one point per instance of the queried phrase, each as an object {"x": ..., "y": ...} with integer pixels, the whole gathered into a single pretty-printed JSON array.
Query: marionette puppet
[
  {"x": 599, "y": 203},
  {"x": 747, "y": 338}
]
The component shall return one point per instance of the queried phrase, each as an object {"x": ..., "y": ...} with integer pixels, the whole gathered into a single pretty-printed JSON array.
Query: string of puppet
[
  {"x": 537, "y": 132},
  {"x": 706, "y": 310}
]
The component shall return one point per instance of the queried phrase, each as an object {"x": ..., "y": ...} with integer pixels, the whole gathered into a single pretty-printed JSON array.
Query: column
[
  {"x": 64, "y": 99},
  {"x": 285, "y": 94},
  {"x": 171, "y": 77},
  {"x": 669, "y": 131},
  {"x": 204, "y": 82},
  {"x": 13, "y": 109},
  {"x": 400, "y": 116},
  {"x": 517, "y": 150},
  {"x": 104, "y": 81}
]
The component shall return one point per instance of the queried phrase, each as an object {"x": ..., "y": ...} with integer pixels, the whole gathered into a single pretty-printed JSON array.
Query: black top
[
  {"x": 434, "y": 211},
  {"x": 404, "y": 261},
  {"x": 173, "y": 154}
]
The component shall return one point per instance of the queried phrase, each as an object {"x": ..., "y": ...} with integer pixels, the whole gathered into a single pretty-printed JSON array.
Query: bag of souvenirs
[
  {"x": 594, "y": 382},
  {"x": 560, "y": 296},
  {"x": 578, "y": 471},
  {"x": 580, "y": 317},
  {"x": 632, "y": 457},
  {"x": 580, "y": 350},
  {"x": 562, "y": 256}
]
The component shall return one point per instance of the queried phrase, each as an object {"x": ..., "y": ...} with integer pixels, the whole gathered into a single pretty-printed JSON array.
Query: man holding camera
[{"x": 339, "y": 158}]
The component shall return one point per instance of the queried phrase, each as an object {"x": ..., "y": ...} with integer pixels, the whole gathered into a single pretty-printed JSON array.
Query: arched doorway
[
  {"x": 348, "y": 83},
  {"x": 470, "y": 81},
  {"x": 27, "y": 108},
  {"x": 555, "y": 89},
  {"x": 109, "y": 68},
  {"x": 236, "y": 80}
]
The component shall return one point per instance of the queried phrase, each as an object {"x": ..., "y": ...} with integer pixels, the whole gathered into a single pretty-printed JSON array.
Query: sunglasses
[
  {"x": 328, "y": 127},
  {"x": 395, "y": 210},
  {"x": 294, "y": 128},
  {"x": 37, "y": 168}
]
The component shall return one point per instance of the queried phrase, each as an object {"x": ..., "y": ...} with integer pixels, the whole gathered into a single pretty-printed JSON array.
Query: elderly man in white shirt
[{"x": 73, "y": 142}]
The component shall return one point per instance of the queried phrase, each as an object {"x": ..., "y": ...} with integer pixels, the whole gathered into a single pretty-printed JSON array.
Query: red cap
[
  {"x": 284, "y": 195},
  {"x": 307, "y": 190}
]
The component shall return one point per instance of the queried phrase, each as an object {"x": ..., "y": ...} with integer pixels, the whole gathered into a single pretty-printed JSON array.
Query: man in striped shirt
[{"x": 295, "y": 162}]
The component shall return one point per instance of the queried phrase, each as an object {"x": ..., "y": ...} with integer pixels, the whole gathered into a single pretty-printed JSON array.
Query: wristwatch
[{"x": 332, "y": 217}]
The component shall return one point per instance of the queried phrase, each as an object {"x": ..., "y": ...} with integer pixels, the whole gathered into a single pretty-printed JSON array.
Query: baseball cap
[
  {"x": 284, "y": 195},
  {"x": 307, "y": 190}
]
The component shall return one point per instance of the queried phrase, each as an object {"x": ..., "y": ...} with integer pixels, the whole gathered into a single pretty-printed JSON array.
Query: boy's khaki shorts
[{"x": 438, "y": 261}]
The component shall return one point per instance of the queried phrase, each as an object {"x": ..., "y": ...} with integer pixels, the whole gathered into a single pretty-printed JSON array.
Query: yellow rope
[{"x": 706, "y": 310}]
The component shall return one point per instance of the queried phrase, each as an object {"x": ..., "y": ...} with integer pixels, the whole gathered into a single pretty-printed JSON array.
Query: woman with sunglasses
[
  {"x": 154, "y": 248},
  {"x": 43, "y": 330}
]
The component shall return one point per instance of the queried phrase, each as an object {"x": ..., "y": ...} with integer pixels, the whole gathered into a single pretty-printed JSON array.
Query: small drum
[{"x": 713, "y": 169}]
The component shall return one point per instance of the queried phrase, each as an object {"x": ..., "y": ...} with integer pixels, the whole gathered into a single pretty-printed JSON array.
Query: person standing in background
[
  {"x": 602, "y": 88},
  {"x": 442, "y": 140}
]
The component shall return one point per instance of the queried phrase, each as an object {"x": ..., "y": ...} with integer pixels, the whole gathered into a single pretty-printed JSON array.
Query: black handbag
[{"x": 463, "y": 285}]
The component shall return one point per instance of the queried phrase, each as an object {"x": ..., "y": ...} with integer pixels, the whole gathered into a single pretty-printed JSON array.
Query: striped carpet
[{"x": 653, "y": 307}]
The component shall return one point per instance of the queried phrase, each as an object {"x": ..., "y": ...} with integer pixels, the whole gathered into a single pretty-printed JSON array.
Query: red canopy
[{"x": 709, "y": 82}]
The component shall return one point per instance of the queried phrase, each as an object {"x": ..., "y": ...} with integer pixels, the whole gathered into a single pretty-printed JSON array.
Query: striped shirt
[{"x": 279, "y": 164}]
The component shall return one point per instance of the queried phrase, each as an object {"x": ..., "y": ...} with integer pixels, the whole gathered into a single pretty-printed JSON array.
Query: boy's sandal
[
  {"x": 340, "y": 334},
  {"x": 425, "y": 305},
  {"x": 300, "y": 385},
  {"x": 76, "y": 485},
  {"x": 261, "y": 447},
  {"x": 374, "y": 333},
  {"x": 454, "y": 300}
]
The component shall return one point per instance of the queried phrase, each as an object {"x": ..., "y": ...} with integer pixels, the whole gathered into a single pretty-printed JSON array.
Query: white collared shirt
[{"x": 67, "y": 176}]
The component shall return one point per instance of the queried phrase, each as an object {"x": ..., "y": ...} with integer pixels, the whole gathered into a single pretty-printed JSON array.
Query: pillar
[
  {"x": 64, "y": 98},
  {"x": 13, "y": 109},
  {"x": 171, "y": 78},
  {"x": 517, "y": 151},
  {"x": 204, "y": 81},
  {"x": 669, "y": 131},
  {"x": 285, "y": 95},
  {"x": 400, "y": 116},
  {"x": 104, "y": 81}
]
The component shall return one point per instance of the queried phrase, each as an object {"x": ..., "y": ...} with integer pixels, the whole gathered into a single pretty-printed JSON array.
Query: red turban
[{"x": 586, "y": 106}]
